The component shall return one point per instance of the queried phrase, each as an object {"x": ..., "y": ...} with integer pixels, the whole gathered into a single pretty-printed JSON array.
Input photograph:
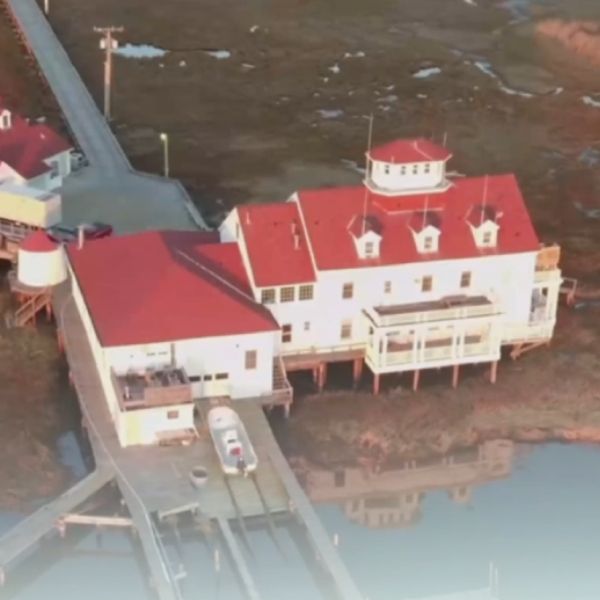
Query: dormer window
[
  {"x": 483, "y": 222},
  {"x": 425, "y": 227},
  {"x": 367, "y": 237},
  {"x": 415, "y": 169},
  {"x": 386, "y": 169},
  {"x": 403, "y": 170},
  {"x": 427, "y": 167}
]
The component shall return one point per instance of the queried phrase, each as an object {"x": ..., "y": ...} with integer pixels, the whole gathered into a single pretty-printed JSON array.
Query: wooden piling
[
  {"x": 493, "y": 371},
  {"x": 357, "y": 369},
  {"x": 455, "y": 373},
  {"x": 416, "y": 375}
]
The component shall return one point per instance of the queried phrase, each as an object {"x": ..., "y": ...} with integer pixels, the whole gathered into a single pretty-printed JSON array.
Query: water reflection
[{"x": 392, "y": 497}]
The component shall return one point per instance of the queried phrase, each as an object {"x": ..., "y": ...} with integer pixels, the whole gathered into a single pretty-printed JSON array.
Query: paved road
[{"x": 127, "y": 199}]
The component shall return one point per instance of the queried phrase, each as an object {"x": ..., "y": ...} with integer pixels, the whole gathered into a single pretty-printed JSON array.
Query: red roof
[
  {"x": 276, "y": 243},
  {"x": 162, "y": 286},
  {"x": 24, "y": 147},
  {"x": 38, "y": 241},
  {"x": 410, "y": 151},
  {"x": 327, "y": 213}
]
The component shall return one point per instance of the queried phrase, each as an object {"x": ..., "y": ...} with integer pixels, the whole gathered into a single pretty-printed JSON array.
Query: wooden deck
[{"x": 310, "y": 360}]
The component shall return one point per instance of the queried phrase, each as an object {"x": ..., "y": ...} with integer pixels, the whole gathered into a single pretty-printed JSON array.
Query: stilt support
[
  {"x": 416, "y": 375},
  {"x": 357, "y": 371},
  {"x": 493, "y": 371},
  {"x": 376, "y": 383},
  {"x": 322, "y": 376},
  {"x": 455, "y": 373}
]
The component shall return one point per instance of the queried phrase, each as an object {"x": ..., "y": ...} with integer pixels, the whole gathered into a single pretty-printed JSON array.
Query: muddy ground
[{"x": 249, "y": 128}]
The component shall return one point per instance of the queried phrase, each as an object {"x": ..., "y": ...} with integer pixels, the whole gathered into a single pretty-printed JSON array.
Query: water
[{"x": 533, "y": 511}]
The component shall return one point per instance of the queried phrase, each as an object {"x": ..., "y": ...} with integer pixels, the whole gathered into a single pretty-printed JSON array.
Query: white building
[
  {"x": 34, "y": 161},
  {"x": 407, "y": 271}
]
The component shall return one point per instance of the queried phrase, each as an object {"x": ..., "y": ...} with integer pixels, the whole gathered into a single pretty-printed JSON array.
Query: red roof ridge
[{"x": 216, "y": 276}]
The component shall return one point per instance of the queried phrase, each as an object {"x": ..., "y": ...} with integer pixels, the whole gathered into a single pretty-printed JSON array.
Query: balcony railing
[
  {"x": 441, "y": 310},
  {"x": 425, "y": 356},
  {"x": 152, "y": 388}
]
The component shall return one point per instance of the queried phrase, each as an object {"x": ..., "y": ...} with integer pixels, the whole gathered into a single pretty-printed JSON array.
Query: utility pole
[{"x": 108, "y": 44}]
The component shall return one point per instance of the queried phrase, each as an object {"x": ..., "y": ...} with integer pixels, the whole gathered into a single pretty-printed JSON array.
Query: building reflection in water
[{"x": 392, "y": 497}]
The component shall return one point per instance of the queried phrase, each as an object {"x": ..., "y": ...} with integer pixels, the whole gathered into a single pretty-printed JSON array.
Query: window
[
  {"x": 286, "y": 333},
  {"x": 427, "y": 283},
  {"x": 286, "y": 294},
  {"x": 172, "y": 414},
  {"x": 428, "y": 244},
  {"x": 386, "y": 169},
  {"x": 486, "y": 239},
  {"x": 465, "y": 279},
  {"x": 250, "y": 359},
  {"x": 195, "y": 378},
  {"x": 221, "y": 376},
  {"x": 387, "y": 287},
  {"x": 346, "y": 330},
  {"x": 415, "y": 169},
  {"x": 403, "y": 170},
  {"x": 267, "y": 296},
  {"x": 305, "y": 292},
  {"x": 427, "y": 167},
  {"x": 207, "y": 378},
  {"x": 306, "y": 326},
  {"x": 348, "y": 290},
  {"x": 369, "y": 249}
]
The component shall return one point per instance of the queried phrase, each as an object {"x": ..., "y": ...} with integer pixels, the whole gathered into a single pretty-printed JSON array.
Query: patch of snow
[
  {"x": 389, "y": 88},
  {"x": 353, "y": 165},
  {"x": 591, "y": 101},
  {"x": 590, "y": 157},
  {"x": 139, "y": 51},
  {"x": 219, "y": 54},
  {"x": 325, "y": 79},
  {"x": 248, "y": 66},
  {"x": 359, "y": 54},
  {"x": 182, "y": 63},
  {"x": 384, "y": 107},
  {"x": 254, "y": 28},
  {"x": 558, "y": 90},
  {"x": 335, "y": 69},
  {"x": 486, "y": 68},
  {"x": 427, "y": 72},
  {"x": 422, "y": 96},
  {"x": 513, "y": 92},
  {"x": 335, "y": 113},
  {"x": 390, "y": 98},
  {"x": 470, "y": 2}
]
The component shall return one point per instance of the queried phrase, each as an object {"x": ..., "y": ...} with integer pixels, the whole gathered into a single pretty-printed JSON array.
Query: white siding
[{"x": 402, "y": 176}]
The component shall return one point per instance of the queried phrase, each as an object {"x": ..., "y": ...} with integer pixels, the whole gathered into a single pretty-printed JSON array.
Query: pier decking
[{"x": 27, "y": 533}]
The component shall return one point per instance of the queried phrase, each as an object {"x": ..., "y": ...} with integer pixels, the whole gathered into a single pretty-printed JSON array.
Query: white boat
[{"x": 231, "y": 441}]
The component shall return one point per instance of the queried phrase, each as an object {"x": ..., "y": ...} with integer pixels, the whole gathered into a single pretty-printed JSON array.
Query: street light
[
  {"x": 108, "y": 44},
  {"x": 164, "y": 138}
]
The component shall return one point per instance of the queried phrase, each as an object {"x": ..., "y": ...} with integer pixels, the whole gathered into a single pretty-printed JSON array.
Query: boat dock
[{"x": 155, "y": 483}]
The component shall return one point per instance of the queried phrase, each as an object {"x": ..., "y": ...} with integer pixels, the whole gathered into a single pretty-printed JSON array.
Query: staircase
[
  {"x": 27, "y": 312},
  {"x": 281, "y": 386}
]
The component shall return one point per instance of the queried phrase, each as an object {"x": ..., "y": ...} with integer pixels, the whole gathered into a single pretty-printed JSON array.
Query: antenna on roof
[
  {"x": 425, "y": 211},
  {"x": 369, "y": 142},
  {"x": 484, "y": 201}
]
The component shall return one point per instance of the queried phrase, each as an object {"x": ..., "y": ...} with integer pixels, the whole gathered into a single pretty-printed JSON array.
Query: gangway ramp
[{"x": 26, "y": 534}]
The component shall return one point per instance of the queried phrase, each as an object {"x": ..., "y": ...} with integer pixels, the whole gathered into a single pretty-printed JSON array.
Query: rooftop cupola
[
  {"x": 5, "y": 119},
  {"x": 366, "y": 232},
  {"x": 405, "y": 167}
]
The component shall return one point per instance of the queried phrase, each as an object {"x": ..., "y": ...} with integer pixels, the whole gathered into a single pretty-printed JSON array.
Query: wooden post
[
  {"x": 416, "y": 374},
  {"x": 455, "y": 372},
  {"x": 376, "y": 383},
  {"x": 315, "y": 373},
  {"x": 493, "y": 371},
  {"x": 286, "y": 409},
  {"x": 322, "y": 375},
  {"x": 357, "y": 371}
]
